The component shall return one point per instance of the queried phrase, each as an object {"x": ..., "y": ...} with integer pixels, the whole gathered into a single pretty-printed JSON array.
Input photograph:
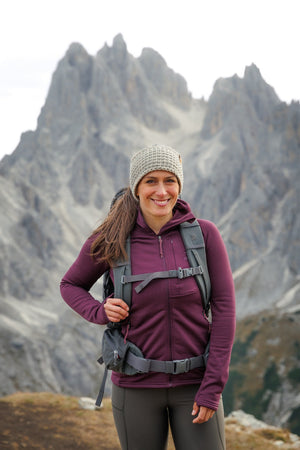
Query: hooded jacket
[{"x": 167, "y": 320}]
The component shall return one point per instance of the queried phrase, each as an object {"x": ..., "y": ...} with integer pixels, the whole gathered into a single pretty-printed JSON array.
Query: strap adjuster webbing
[{"x": 146, "y": 278}]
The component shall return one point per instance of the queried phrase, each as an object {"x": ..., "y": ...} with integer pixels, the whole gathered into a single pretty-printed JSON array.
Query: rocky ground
[{"x": 51, "y": 421}]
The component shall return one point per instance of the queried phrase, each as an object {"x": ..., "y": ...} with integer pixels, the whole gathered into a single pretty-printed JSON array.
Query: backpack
[{"x": 121, "y": 355}]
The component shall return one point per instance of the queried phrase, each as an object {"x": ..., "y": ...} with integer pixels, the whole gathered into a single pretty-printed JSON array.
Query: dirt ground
[{"x": 51, "y": 421}]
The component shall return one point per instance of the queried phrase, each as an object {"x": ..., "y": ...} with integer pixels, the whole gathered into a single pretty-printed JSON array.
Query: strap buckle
[
  {"x": 181, "y": 366},
  {"x": 188, "y": 272}
]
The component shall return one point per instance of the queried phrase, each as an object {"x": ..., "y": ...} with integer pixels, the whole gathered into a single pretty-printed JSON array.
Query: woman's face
[{"x": 158, "y": 192}]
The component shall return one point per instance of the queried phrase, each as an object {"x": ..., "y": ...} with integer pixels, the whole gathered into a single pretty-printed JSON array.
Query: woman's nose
[{"x": 161, "y": 189}]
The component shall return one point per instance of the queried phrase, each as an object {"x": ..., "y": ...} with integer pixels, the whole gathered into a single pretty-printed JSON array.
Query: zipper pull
[
  {"x": 126, "y": 333},
  {"x": 208, "y": 321},
  {"x": 160, "y": 247}
]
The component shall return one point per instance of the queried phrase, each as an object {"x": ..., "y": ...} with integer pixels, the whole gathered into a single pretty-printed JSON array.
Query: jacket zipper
[
  {"x": 161, "y": 253},
  {"x": 160, "y": 247}
]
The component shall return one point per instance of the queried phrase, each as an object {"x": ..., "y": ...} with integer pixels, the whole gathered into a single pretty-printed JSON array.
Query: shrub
[
  {"x": 271, "y": 378},
  {"x": 294, "y": 376}
]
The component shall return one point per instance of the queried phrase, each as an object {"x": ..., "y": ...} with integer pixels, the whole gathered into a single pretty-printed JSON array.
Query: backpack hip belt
[{"x": 175, "y": 367}]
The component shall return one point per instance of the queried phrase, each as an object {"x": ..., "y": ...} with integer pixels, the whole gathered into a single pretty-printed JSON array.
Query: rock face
[
  {"x": 241, "y": 162},
  {"x": 248, "y": 182},
  {"x": 265, "y": 369}
]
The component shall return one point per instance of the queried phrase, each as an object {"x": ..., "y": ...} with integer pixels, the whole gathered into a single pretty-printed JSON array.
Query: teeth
[{"x": 161, "y": 202}]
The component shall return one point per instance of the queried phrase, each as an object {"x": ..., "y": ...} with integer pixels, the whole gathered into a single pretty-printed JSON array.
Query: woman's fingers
[
  {"x": 204, "y": 414},
  {"x": 116, "y": 309}
]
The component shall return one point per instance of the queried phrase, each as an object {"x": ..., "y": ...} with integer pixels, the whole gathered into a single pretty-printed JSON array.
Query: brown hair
[{"x": 109, "y": 245}]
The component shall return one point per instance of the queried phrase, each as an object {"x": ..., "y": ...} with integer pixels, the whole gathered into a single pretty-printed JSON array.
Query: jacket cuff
[{"x": 211, "y": 402}]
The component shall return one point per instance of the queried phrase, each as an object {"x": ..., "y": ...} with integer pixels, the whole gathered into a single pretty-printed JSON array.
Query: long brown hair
[{"x": 109, "y": 245}]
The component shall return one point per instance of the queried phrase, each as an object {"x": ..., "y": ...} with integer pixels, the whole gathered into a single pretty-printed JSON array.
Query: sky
[{"x": 201, "y": 40}]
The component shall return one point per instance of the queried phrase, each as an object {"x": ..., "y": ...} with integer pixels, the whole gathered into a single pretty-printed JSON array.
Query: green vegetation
[
  {"x": 240, "y": 349},
  {"x": 271, "y": 378},
  {"x": 294, "y": 376},
  {"x": 294, "y": 421},
  {"x": 253, "y": 404},
  {"x": 297, "y": 349},
  {"x": 263, "y": 344},
  {"x": 257, "y": 403},
  {"x": 235, "y": 381}
]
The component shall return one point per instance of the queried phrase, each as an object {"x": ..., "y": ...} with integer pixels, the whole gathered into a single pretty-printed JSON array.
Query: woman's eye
[{"x": 168, "y": 181}]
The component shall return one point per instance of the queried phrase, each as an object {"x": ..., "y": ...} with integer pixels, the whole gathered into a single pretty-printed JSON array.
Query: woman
[{"x": 166, "y": 319}]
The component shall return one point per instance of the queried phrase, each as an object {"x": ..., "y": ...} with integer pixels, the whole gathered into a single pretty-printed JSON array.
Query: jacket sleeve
[
  {"x": 223, "y": 318},
  {"x": 77, "y": 282}
]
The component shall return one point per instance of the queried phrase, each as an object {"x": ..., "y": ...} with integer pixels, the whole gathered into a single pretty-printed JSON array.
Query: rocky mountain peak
[
  {"x": 263, "y": 95},
  {"x": 253, "y": 78},
  {"x": 116, "y": 55},
  {"x": 234, "y": 99},
  {"x": 76, "y": 52},
  {"x": 251, "y": 83},
  {"x": 167, "y": 83},
  {"x": 253, "y": 72},
  {"x": 149, "y": 57},
  {"x": 119, "y": 44}
]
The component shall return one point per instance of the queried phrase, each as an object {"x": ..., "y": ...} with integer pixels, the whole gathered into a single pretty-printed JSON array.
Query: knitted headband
[{"x": 155, "y": 157}]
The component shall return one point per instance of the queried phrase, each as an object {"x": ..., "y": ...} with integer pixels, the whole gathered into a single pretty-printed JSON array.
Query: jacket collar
[{"x": 181, "y": 213}]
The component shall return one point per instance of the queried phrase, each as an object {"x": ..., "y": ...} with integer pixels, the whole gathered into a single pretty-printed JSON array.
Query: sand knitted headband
[{"x": 156, "y": 157}]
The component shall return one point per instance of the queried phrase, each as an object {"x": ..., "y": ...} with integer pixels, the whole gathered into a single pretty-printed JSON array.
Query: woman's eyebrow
[{"x": 152, "y": 177}]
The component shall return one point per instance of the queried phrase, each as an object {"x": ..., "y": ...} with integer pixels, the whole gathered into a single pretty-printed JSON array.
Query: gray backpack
[{"x": 123, "y": 356}]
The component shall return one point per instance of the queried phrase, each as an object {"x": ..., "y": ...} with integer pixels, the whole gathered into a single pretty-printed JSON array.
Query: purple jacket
[{"x": 166, "y": 317}]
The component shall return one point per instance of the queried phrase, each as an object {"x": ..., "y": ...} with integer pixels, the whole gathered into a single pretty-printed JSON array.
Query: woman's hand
[
  {"x": 203, "y": 413},
  {"x": 116, "y": 309}
]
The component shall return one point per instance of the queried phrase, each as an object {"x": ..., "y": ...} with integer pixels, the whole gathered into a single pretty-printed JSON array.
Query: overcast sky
[{"x": 200, "y": 40}]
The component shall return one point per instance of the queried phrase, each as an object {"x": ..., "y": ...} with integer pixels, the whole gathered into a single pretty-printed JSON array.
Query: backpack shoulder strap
[
  {"x": 193, "y": 240},
  {"x": 123, "y": 268}
]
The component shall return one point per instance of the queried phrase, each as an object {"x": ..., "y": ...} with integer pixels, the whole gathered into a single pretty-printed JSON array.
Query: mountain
[{"x": 241, "y": 164}]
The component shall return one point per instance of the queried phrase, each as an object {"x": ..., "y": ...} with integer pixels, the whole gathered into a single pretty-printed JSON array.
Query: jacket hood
[{"x": 181, "y": 213}]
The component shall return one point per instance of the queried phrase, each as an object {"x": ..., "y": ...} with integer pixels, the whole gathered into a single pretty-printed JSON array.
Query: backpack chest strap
[{"x": 146, "y": 278}]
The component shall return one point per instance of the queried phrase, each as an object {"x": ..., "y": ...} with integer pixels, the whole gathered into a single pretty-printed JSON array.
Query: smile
[{"x": 161, "y": 202}]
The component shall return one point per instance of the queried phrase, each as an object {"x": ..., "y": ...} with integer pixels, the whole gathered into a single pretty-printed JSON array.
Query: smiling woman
[{"x": 167, "y": 320}]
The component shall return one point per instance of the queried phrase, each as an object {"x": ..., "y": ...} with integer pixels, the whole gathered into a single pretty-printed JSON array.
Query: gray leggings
[{"x": 143, "y": 416}]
